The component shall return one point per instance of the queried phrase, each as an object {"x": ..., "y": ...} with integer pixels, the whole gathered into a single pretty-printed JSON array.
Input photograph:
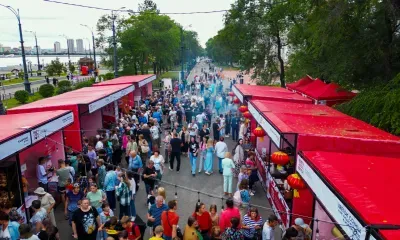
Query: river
[{"x": 44, "y": 59}]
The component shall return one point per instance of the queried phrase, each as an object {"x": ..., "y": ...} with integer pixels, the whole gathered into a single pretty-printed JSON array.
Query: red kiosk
[
  {"x": 142, "y": 83},
  {"x": 292, "y": 127},
  {"x": 23, "y": 139},
  {"x": 92, "y": 107},
  {"x": 348, "y": 189}
]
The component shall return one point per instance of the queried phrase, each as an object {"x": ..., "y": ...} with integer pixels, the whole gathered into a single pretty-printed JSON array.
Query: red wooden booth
[
  {"x": 292, "y": 127},
  {"x": 23, "y": 139},
  {"x": 142, "y": 83},
  {"x": 357, "y": 192},
  {"x": 92, "y": 108}
]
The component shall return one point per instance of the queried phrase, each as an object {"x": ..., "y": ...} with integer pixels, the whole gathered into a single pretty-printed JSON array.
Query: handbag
[{"x": 144, "y": 148}]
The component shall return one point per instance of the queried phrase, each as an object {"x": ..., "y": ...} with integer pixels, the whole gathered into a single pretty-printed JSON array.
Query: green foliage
[
  {"x": 22, "y": 96},
  {"x": 84, "y": 84},
  {"x": 147, "y": 41},
  {"x": 55, "y": 68},
  {"x": 71, "y": 68},
  {"x": 63, "y": 87},
  {"x": 379, "y": 106},
  {"x": 46, "y": 90},
  {"x": 108, "y": 76}
]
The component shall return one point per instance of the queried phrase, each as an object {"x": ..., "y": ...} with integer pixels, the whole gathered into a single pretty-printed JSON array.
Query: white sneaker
[
  {"x": 170, "y": 168},
  {"x": 133, "y": 219},
  {"x": 251, "y": 194}
]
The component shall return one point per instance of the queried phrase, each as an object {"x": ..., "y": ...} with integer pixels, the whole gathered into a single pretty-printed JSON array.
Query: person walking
[
  {"x": 235, "y": 127},
  {"x": 215, "y": 127},
  {"x": 252, "y": 224},
  {"x": 203, "y": 152},
  {"x": 85, "y": 222},
  {"x": 149, "y": 177},
  {"x": 135, "y": 165},
  {"x": 193, "y": 153},
  {"x": 47, "y": 202},
  {"x": 71, "y": 201},
  {"x": 208, "y": 164},
  {"x": 238, "y": 158},
  {"x": 268, "y": 232},
  {"x": 176, "y": 144},
  {"x": 203, "y": 218},
  {"x": 143, "y": 148},
  {"x": 123, "y": 193},
  {"x": 96, "y": 197},
  {"x": 228, "y": 167},
  {"x": 220, "y": 149},
  {"x": 110, "y": 181},
  {"x": 170, "y": 220},
  {"x": 227, "y": 214},
  {"x": 185, "y": 138},
  {"x": 154, "y": 213}
]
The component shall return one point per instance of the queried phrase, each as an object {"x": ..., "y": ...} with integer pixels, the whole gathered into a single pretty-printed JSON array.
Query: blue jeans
[
  {"x": 149, "y": 153},
  {"x": 235, "y": 133},
  {"x": 193, "y": 160},
  {"x": 220, "y": 164},
  {"x": 167, "y": 238}
]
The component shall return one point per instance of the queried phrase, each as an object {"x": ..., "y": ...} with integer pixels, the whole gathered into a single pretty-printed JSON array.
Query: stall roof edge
[{"x": 126, "y": 80}]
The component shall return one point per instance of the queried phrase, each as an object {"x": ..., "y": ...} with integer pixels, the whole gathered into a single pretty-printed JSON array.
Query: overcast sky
[{"x": 50, "y": 20}]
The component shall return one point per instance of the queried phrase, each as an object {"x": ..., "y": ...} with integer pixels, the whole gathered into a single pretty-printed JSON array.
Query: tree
[
  {"x": 148, "y": 5},
  {"x": 54, "y": 68}
]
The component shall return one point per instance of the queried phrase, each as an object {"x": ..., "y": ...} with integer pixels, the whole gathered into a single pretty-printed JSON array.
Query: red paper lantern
[
  {"x": 295, "y": 182},
  {"x": 247, "y": 114},
  {"x": 259, "y": 132},
  {"x": 231, "y": 94},
  {"x": 280, "y": 158},
  {"x": 243, "y": 108},
  {"x": 236, "y": 100}
]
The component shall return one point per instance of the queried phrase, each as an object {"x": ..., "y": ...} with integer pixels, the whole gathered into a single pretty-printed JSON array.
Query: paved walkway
[{"x": 211, "y": 185}]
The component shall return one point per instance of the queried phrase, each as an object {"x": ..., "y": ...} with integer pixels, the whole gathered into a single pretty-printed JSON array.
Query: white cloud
[{"x": 49, "y": 20}]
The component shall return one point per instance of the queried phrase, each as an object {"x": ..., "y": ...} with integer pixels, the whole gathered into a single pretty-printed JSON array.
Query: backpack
[{"x": 237, "y": 198}]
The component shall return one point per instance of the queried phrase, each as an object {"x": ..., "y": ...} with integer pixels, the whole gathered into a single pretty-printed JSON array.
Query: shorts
[{"x": 61, "y": 189}]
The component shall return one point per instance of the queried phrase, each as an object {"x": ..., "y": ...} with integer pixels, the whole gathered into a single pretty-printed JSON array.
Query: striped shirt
[
  {"x": 247, "y": 221},
  {"x": 156, "y": 212}
]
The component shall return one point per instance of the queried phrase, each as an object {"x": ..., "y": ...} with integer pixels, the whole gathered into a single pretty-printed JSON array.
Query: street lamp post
[
  {"x": 90, "y": 53},
  {"x": 37, "y": 52},
  {"x": 94, "y": 45},
  {"x": 113, "y": 17},
  {"x": 27, "y": 84}
]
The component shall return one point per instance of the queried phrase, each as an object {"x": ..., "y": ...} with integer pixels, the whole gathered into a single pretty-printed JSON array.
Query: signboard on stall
[
  {"x": 14, "y": 145},
  {"x": 335, "y": 207},
  {"x": 268, "y": 128},
  {"x": 40, "y": 133},
  {"x": 115, "y": 96},
  {"x": 238, "y": 94},
  {"x": 262, "y": 170},
  {"x": 116, "y": 111},
  {"x": 278, "y": 203}
]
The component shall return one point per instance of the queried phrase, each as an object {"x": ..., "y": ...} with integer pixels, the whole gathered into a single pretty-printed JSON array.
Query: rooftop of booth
[
  {"x": 13, "y": 125},
  {"x": 332, "y": 91},
  {"x": 81, "y": 96},
  {"x": 271, "y": 93},
  {"x": 302, "y": 82},
  {"x": 311, "y": 87},
  {"x": 356, "y": 178},
  {"x": 127, "y": 80}
]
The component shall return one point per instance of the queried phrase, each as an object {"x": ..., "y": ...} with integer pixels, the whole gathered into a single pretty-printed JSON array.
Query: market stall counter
[
  {"x": 24, "y": 138},
  {"x": 143, "y": 86},
  {"x": 93, "y": 108},
  {"x": 351, "y": 201},
  {"x": 292, "y": 127}
]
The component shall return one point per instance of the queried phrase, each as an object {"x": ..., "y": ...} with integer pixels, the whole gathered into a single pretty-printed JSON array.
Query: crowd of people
[{"x": 190, "y": 120}]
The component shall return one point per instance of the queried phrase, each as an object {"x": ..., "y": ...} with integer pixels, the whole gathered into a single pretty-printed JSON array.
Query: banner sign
[
  {"x": 278, "y": 203},
  {"x": 14, "y": 145},
  {"x": 268, "y": 128},
  {"x": 147, "y": 80},
  {"x": 237, "y": 93},
  {"x": 109, "y": 99},
  {"x": 41, "y": 132}
]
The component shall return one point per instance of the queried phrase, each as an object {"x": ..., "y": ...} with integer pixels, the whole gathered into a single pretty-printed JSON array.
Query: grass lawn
[
  {"x": 11, "y": 103},
  {"x": 19, "y": 80},
  {"x": 156, "y": 83}
]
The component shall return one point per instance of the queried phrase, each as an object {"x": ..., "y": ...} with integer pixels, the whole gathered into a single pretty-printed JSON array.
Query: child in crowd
[
  {"x": 131, "y": 228},
  {"x": 242, "y": 175},
  {"x": 158, "y": 232},
  {"x": 244, "y": 195},
  {"x": 216, "y": 233},
  {"x": 161, "y": 192}
]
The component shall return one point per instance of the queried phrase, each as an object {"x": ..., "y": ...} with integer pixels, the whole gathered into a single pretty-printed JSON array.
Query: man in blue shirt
[
  {"x": 155, "y": 211},
  {"x": 142, "y": 119},
  {"x": 235, "y": 127}
]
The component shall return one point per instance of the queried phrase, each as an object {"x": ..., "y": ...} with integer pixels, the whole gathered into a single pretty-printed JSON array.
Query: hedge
[
  {"x": 22, "y": 96},
  {"x": 46, "y": 90}
]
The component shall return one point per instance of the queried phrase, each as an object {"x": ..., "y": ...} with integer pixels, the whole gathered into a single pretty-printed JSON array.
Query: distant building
[
  {"x": 71, "y": 45},
  {"x": 4, "y": 49},
  {"x": 79, "y": 46},
  {"x": 34, "y": 50},
  {"x": 57, "y": 47}
]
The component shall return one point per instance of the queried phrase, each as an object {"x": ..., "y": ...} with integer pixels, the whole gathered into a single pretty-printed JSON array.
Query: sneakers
[
  {"x": 208, "y": 173},
  {"x": 251, "y": 194},
  {"x": 170, "y": 169}
]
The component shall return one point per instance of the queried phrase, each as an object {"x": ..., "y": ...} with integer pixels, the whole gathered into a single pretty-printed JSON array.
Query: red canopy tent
[
  {"x": 331, "y": 94},
  {"x": 352, "y": 191},
  {"x": 302, "y": 82},
  {"x": 23, "y": 139},
  {"x": 143, "y": 86},
  {"x": 314, "y": 86},
  {"x": 293, "y": 127},
  {"x": 90, "y": 106},
  {"x": 246, "y": 92}
]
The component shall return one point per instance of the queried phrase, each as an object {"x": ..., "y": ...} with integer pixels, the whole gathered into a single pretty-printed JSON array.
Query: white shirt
[
  {"x": 133, "y": 186},
  {"x": 5, "y": 234},
  {"x": 200, "y": 117},
  {"x": 220, "y": 149},
  {"x": 268, "y": 232},
  {"x": 158, "y": 162},
  {"x": 99, "y": 145},
  {"x": 154, "y": 132},
  {"x": 193, "y": 129}
]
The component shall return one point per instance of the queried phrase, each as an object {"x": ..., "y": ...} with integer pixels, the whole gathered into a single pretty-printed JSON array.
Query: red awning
[
  {"x": 128, "y": 80},
  {"x": 366, "y": 183},
  {"x": 269, "y": 93},
  {"x": 302, "y": 82},
  {"x": 81, "y": 96},
  {"x": 312, "y": 87},
  {"x": 331, "y": 91}
]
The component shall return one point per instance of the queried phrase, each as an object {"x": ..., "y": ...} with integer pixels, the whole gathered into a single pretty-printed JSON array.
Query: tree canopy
[
  {"x": 147, "y": 40},
  {"x": 353, "y": 43}
]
